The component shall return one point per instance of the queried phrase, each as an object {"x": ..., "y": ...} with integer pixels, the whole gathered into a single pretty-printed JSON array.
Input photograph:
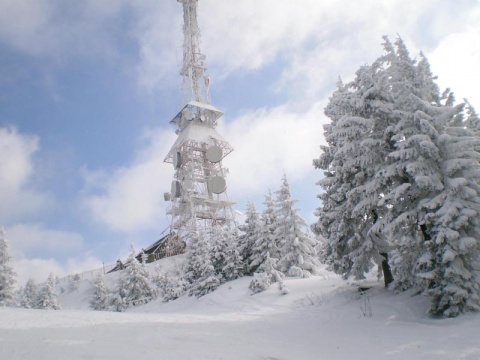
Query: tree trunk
[{"x": 387, "y": 271}]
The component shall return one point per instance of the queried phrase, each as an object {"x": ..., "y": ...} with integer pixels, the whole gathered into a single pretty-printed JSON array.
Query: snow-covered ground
[{"x": 322, "y": 317}]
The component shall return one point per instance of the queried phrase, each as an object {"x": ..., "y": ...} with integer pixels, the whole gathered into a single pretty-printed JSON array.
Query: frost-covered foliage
[
  {"x": 170, "y": 285},
  {"x": 233, "y": 264},
  {"x": 297, "y": 245},
  {"x": 28, "y": 295},
  {"x": 100, "y": 298},
  {"x": 266, "y": 242},
  {"x": 7, "y": 275},
  {"x": 47, "y": 299},
  {"x": 250, "y": 234},
  {"x": 266, "y": 275},
  {"x": 134, "y": 287},
  {"x": 401, "y": 182},
  {"x": 200, "y": 273},
  {"x": 75, "y": 280}
]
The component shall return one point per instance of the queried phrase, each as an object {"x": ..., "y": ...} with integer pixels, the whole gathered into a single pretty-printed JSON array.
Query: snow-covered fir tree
[
  {"x": 417, "y": 203},
  {"x": 218, "y": 250},
  {"x": 7, "y": 274},
  {"x": 200, "y": 273},
  {"x": 170, "y": 285},
  {"x": 450, "y": 261},
  {"x": 266, "y": 275},
  {"x": 249, "y": 234},
  {"x": 74, "y": 282},
  {"x": 28, "y": 296},
  {"x": 297, "y": 251},
  {"x": 134, "y": 286},
  {"x": 233, "y": 266},
  {"x": 346, "y": 251},
  {"x": 47, "y": 298},
  {"x": 266, "y": 242},
  {"x": 99, "y": 299}
]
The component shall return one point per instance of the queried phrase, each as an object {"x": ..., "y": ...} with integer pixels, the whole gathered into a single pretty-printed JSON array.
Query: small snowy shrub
[{"x": 260, "y": 282}]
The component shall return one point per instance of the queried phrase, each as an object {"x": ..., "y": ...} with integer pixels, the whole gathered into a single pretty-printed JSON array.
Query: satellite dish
[
  {"x": 167, "y": 197},
  {"x": 214, "y": 154},
  {"x": 188, "y": 184},
  {"x": 217, "y": 184},
  {"x": 176, "y": 189},
  {"x": 202, "y": 117},
  {"x": 188, "y": 115},
  {"x": 177, "y": 160}
]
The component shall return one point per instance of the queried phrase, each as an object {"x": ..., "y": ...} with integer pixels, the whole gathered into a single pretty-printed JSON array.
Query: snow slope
[{"x": 322, "y": 317}]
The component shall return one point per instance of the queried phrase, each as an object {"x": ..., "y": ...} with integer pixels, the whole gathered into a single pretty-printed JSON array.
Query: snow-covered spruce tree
[
  {"x": 297, "y": 252},
  {"x": 473, "y": 119},
  {"x": 234, "y": 267},
  {"x": 47, "y": 299},
  {"x": 266, "y": 241},
  {"x": 100, "y": 296},
  {"x": 170, "y": 285},
  {"x": 249, "y": 235},
  {"x": 200, "y": 273},
  {"x": 218, "y": 250},
  {"x": 74, "y": 282},
  {"x": 266, "y": 275},
  {"x": 134, "y": 287},
  {"x": 7, "y": 274},
  {"x": 28, "y": 296},
  {"x": 366, "y": 189},
  {"x": 450, "y": 263},
  {"x": 349, "y": 209}
]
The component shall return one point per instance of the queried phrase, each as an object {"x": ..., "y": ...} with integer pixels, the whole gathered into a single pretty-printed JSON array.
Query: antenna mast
[
  {"x": 195, "y": 81},
  {"x": 198, "y": 195}
]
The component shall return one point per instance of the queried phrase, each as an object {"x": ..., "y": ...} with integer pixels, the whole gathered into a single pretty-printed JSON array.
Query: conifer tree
[
  {"x": 75, "y": 281},
  {"x": 100, "y": 295},
  {"x": 234, "y": 267},
  {"x": 134, "y": 287},
  {"x": 250, "y": 233},
  {"x": 28, "y": 296},
  {"x": 266, "y": 241},
  {"x": 218, "y": 250},
  {"x": 298, "y": 257},
  {"x": 7, "y": 274},
  {"x": 47, "y": 298},
  {"x": 416, "y": 204},
  {"x": 200, "y": 273},
  {"x": 450, "y": 261},
  {"x": 266, "y": 275}
]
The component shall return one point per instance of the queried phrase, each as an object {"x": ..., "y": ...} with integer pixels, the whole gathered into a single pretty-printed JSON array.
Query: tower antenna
[{"x": 198, "y": 196}]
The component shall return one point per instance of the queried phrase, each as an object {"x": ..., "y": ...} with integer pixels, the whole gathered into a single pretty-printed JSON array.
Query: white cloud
[
  {"x": 39, "y": 269},
  {"x": 269, "y": 142},
  {"x": 37, "y": 251},
  {"x": 34, "y": 240},
  {"x": 456, "y": 60},
  {"x": 17, "y": 170},
  {"x": 130, "y": 198}
]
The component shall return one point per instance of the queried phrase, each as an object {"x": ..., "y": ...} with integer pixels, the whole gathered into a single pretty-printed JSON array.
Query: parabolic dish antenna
[
  {"x": 217, "y": 184},
  {"x": 214, "y": 154},
  {"x": 188, "y": 115},
  {"x": 177, "y": 160},
  {"x": 188, "y": 184},
  {"x": 175, "y": 189}
]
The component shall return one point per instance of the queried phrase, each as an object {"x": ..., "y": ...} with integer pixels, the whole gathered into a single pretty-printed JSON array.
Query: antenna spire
[{"x": 195, "y": 80}]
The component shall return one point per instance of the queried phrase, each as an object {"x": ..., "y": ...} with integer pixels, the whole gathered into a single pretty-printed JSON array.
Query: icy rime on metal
[{"x": 198, "y": 194}]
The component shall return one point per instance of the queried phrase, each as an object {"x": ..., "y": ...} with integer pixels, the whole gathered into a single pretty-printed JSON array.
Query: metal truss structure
[{"x": 198, "y": 195}]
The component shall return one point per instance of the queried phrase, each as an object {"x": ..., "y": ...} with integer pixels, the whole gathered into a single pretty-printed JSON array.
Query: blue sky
[{"x": 87, "y": 89}]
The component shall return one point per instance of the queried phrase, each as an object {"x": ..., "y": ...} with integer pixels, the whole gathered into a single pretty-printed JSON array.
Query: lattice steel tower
[{"x": 198, "y": 194}]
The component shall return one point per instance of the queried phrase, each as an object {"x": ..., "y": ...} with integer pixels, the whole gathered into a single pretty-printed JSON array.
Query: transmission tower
[{"x": 198, "y": 194}]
